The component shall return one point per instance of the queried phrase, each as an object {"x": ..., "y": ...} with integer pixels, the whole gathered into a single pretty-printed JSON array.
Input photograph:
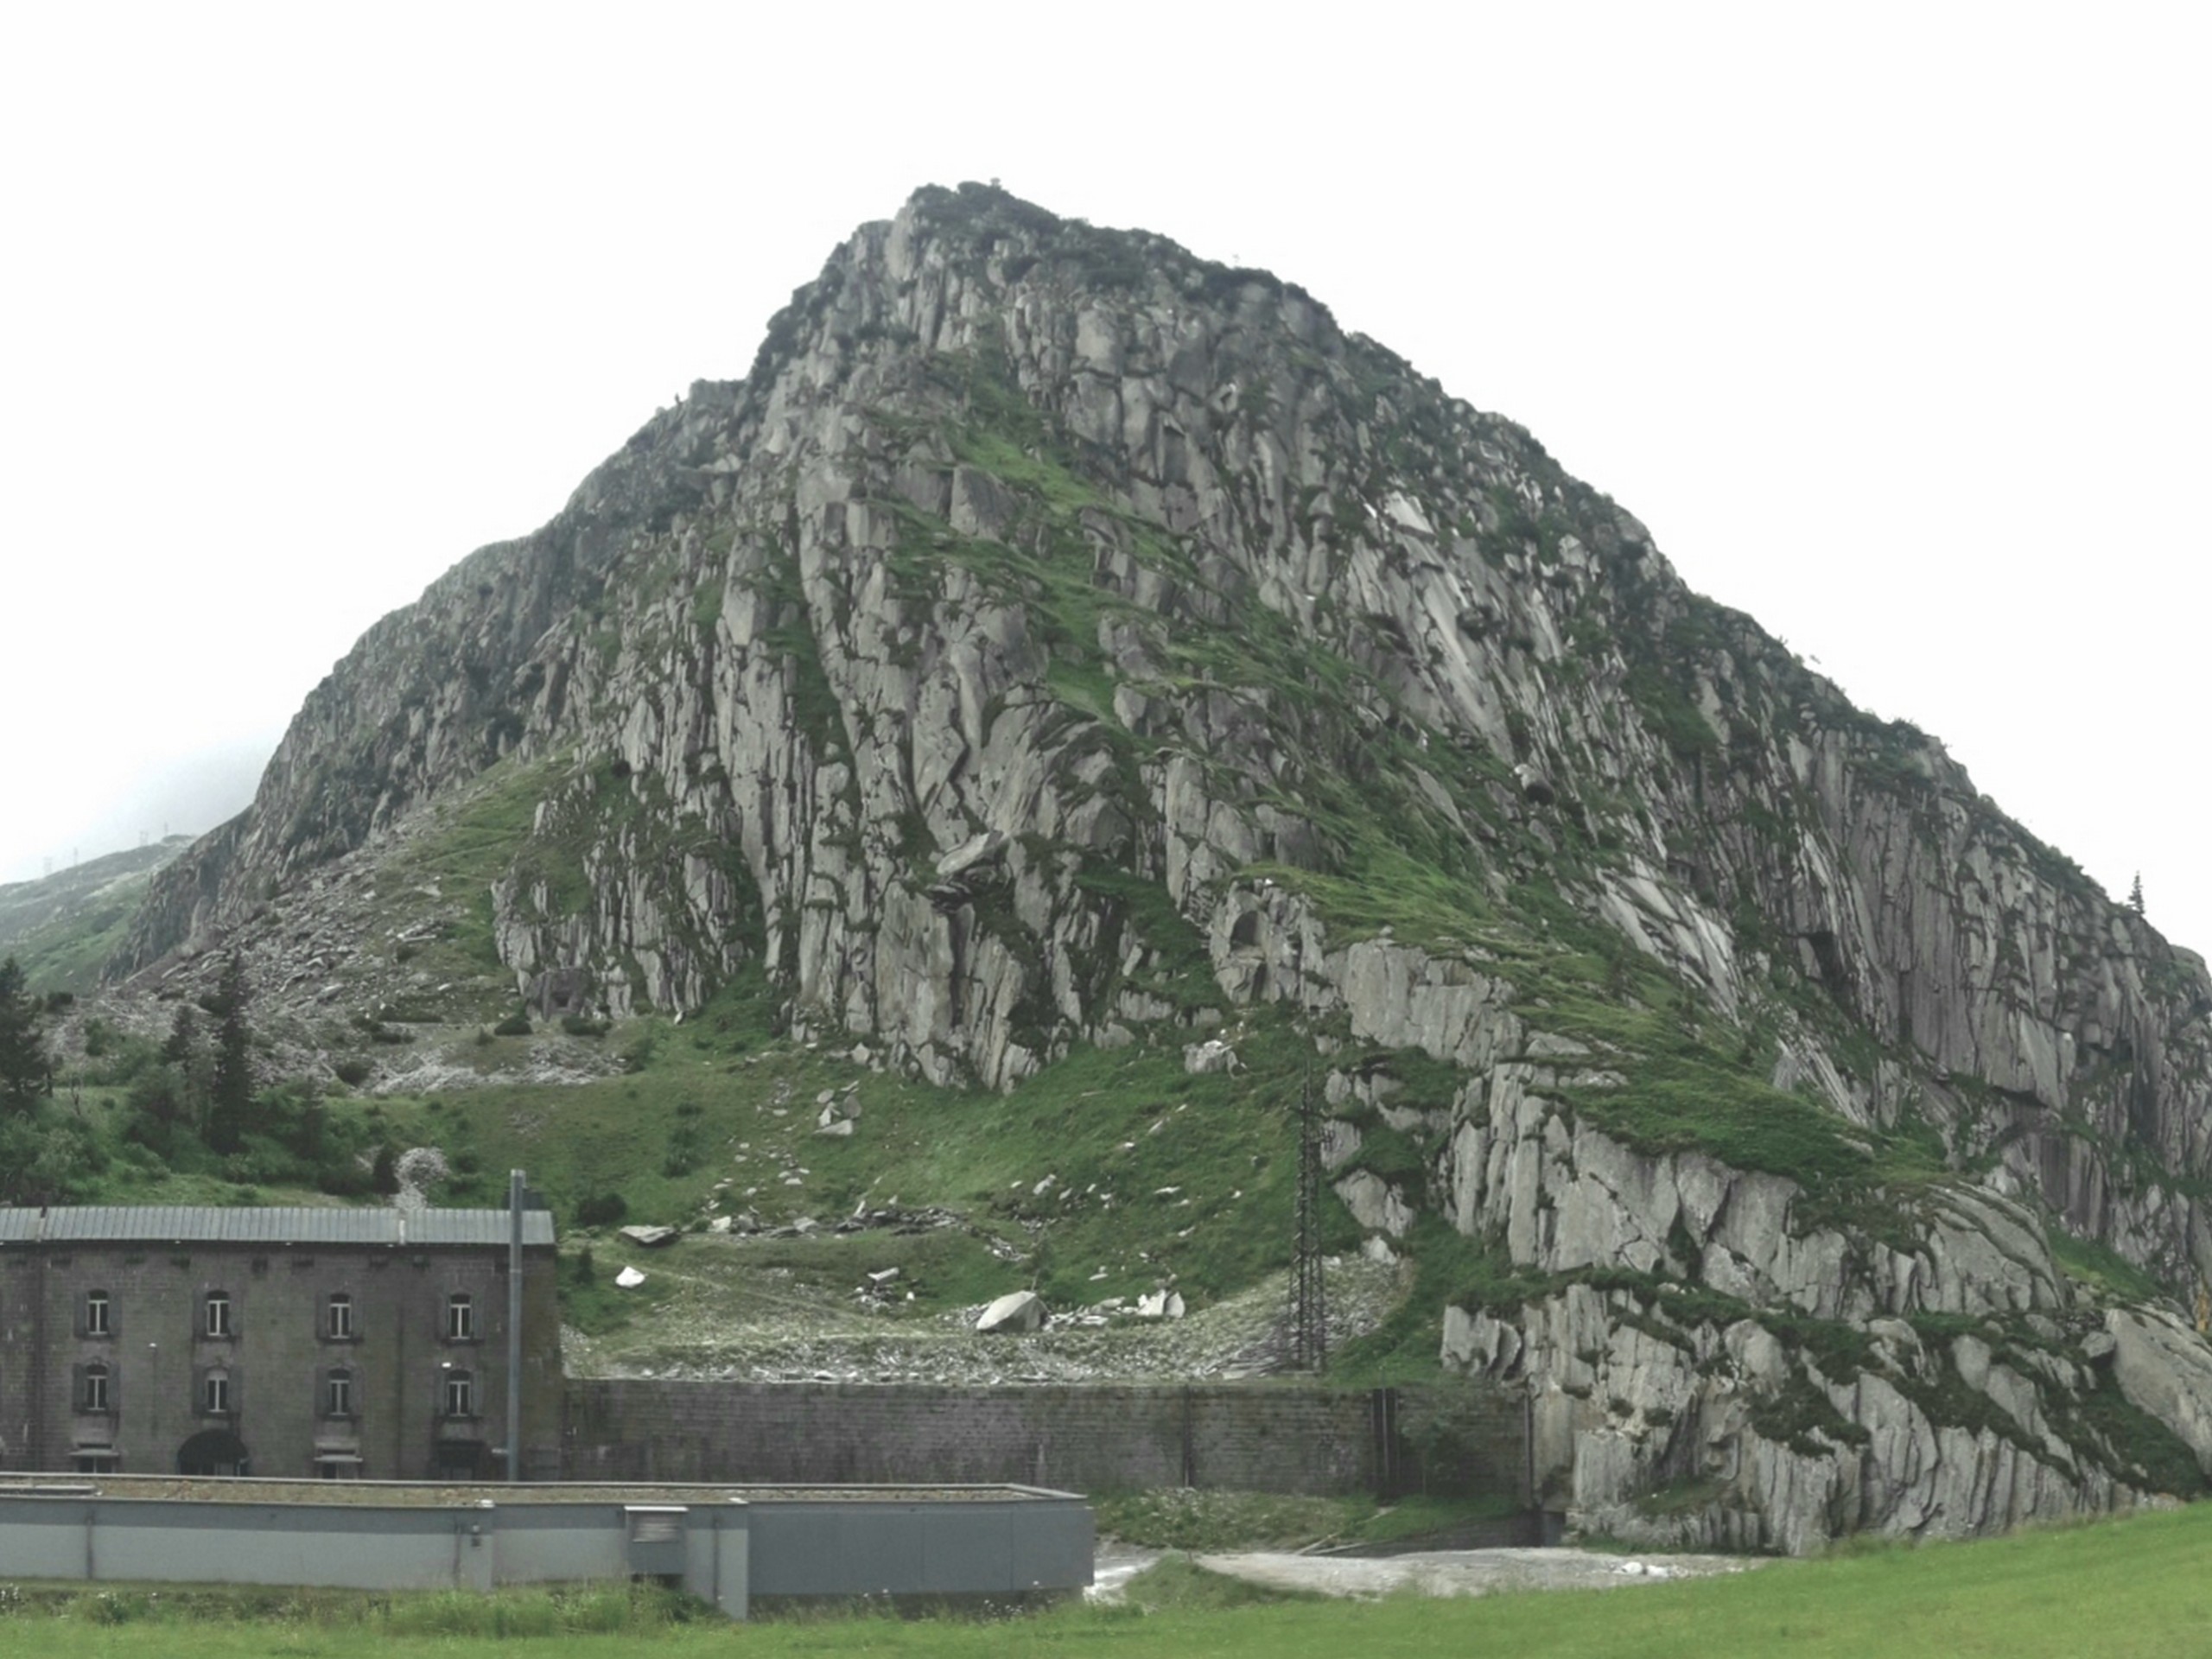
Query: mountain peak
[{"x": 1059, "y": 643}]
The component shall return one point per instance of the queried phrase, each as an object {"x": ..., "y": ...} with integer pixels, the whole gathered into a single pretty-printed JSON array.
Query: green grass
[
  {"x": 1155, "y": 1176},
  {"x": 1421, "y": 905},
  {"x": 67, "y": 953},
  {"x": 2109, "y": 1591},
  {"x": 1176, "y": 1585},
  {"x": 468, "y": 845},
  {"x": 1112, "y": 1129},
  {"x": 2102, "y": 1269}
]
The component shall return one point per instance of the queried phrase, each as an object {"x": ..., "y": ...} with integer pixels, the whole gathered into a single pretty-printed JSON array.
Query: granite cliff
[{"x": 1057, "y": 639}]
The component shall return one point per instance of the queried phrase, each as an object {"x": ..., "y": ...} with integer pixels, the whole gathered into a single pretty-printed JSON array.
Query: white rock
[
  {"x": 1200, "y": 1059},
  {"x": 1019, "y": 1311}
]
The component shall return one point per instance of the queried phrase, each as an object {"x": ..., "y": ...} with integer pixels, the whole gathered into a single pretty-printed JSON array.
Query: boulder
[
  {"x": 1018, "y": 1312},
  {"x": 1200, "y": 1059},
  {"x": 651, "y": 1238}
]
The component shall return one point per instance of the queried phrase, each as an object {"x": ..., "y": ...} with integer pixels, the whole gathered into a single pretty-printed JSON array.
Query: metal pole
[{"x": 515, "y": 1194}]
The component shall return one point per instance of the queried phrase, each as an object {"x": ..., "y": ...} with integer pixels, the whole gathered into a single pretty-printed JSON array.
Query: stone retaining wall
[{"x": 1253, "y": 1436}]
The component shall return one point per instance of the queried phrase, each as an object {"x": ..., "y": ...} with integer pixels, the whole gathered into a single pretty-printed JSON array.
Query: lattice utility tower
[{"x": 1309, "y": 1301}]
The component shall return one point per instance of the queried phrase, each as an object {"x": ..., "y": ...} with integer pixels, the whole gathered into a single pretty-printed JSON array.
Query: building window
[
  {"x": 460, "y": 1394},
  {"x": 339, "y": 1466},
  {"x": 461, "y": 1318},
  {"x": 339, "y": 1322},
  {"x": 95, "y": 1395},
  {"x": 218, "y": 1309},
  {"x": 215, "y": 1392},
  {"x": 96, "y": 1314},
  {"x": 338, "y": 1395},
  {"x": 94, "y": 1463}
]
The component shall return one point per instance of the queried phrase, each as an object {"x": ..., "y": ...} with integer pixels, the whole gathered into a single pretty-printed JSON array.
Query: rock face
[{"x": 1056, "y": 639}]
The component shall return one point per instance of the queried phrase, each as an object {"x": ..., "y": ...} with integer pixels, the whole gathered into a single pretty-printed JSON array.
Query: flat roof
[
  {"x": 424, "y": 1494},
  {"x": 201, "y": 1224}
]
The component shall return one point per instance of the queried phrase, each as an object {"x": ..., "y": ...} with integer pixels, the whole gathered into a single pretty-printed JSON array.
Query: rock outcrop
[{"x": 1057, "y": 639}]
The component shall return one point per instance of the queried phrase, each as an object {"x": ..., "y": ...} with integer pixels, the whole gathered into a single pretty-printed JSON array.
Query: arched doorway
[{"x": 212, "y": 1452}]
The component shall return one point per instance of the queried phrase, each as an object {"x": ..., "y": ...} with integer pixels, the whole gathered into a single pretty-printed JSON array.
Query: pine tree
[
  {"x": 2135, "y": 894},
  {"x": 230, "y": 1082},
  {"x": 26, "y": 1071},
  {"x": 185, "y": 1054}
]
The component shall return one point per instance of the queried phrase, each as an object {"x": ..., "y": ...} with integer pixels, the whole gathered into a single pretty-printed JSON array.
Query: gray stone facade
[{"x": 278, "y": 1342}]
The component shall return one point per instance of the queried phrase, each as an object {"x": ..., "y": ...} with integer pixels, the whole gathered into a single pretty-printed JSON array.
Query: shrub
[
  {"x": 602, "y": 1210},
  {"x": 515, "y": 1024}
]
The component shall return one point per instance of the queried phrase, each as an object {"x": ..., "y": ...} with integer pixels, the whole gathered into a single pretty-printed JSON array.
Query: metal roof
[{"x": 274, "y": 1224}]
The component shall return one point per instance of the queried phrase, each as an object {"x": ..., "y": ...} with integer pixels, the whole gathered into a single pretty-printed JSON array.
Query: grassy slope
[
  {"x": 715, "y": 1100},
  {"x": 2120, "y": 1588},
  {"x": 66, "y": 950}
]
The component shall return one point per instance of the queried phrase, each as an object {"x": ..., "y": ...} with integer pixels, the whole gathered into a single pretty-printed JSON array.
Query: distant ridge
[{"x": 62, "y": 926}]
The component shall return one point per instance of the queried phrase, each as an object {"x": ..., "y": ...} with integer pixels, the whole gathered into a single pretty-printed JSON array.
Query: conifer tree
[
  {"x": 26, "y": 1071},
  {"x": 229, "y": 1081},
  {"x": 2135, "y": 894},
  {"x": 183, "y": 1050}
]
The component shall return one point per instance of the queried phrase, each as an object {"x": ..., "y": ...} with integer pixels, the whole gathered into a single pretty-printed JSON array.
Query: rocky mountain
[{"x": 1057, "y": 640}]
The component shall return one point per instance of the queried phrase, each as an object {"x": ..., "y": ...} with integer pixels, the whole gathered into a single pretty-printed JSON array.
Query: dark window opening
[{"x": 213, "y": 1451}]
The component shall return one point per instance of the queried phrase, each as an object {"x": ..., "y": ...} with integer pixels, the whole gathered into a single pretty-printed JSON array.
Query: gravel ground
[
  {"x": 1463, "y": 1571},
  {"x": 1113, "y": 1568},
  {"x": 693, "y": 1337}
]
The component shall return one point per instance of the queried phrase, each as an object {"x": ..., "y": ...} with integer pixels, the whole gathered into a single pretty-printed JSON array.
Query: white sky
[{"x": 1889, "y": 319}]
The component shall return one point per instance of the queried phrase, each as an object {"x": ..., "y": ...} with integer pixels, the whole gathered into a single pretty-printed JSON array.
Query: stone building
[{"x": 336, "y": 1343}]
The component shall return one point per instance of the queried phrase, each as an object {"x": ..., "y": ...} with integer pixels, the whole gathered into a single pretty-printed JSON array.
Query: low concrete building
[
  {"x": 332, "y": 1342},
  {"x": 733, "y": 1546}
]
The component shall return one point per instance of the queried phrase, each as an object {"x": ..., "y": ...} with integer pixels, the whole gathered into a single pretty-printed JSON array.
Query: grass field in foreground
[{"x": 2138, "y": 1586}]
